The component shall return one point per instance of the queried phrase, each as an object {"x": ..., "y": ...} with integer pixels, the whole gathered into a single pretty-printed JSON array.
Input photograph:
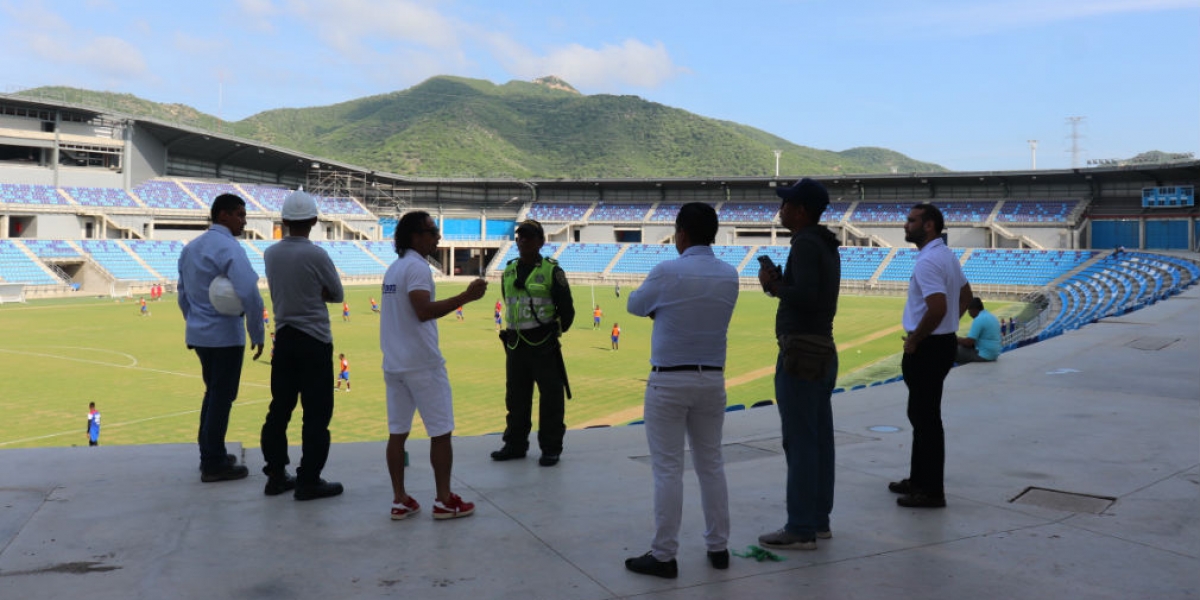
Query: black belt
[{"x": 699, "y": 368}]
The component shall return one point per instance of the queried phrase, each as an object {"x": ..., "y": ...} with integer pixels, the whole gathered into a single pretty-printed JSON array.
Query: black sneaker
[
  {"x": 508, "y": 453},
  {"x": 320, "y": 489},
  {"x": 646, "y": 564},
  {"x": 903, "y": 486},
  {"x": 229, "y": 473},
  {"x": 278, "y": 484},
  {"x": 719, "y": 560},
  {"x": 548, "y": 460}
]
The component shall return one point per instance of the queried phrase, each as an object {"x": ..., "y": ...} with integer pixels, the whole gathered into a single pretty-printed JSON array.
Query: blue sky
[{"x": 962, "y": 83}]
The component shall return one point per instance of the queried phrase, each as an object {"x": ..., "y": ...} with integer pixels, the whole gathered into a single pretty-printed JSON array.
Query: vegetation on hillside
[{"x": 460, "y": 127}]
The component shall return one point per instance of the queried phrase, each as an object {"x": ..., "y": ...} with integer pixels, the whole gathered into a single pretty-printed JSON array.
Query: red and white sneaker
[
  {"x": 453, "y": 509},
  {"x": 402, "y": 510}
]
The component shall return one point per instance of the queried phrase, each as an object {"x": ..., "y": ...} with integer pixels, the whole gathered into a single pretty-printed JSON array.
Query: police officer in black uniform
[{"x": 538, "y": 309}]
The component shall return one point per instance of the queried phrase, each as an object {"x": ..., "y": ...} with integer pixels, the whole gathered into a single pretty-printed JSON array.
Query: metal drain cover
[
  {"x": 732, "y": 453},
  {"x": 1064, "y": 501},
  {"x": 1152, "y": 343}
]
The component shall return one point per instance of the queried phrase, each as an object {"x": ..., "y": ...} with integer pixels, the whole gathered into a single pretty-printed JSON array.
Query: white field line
[{"x": 133, "y": 365}]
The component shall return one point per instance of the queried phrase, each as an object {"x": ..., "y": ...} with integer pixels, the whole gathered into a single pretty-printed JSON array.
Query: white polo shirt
[
  {"x": 936, "y": 271},
  {"x": 408, "y": 343}
]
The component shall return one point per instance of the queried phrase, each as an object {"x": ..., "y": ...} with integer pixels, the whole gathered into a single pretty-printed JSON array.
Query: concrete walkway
[{"x": 1106, "y": 417}]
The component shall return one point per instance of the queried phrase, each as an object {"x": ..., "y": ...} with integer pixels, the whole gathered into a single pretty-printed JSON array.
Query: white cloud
[
  {"x": 258, "y": 8},
  {"x": 631, "y": 63},
  {"x": 414, "y": 39},
  {"x": 369, "y": 26},
  {"x": 51, "y": 38},
  {"x": 111, "y": 56}
]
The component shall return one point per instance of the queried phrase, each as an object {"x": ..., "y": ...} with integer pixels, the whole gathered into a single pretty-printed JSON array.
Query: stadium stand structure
[
  {"x": 116, "y": 259},
  {"x": 160, "y": 255},
  {"x": 164, "y": 194},
  {"x": 558, "y": 212},
  {"x": 20, "y": 193},
  {"x": 1044, "y": 236},
  {"x": 207, "y": 192},
  {"x": 620, "y": 213},
  {"x": 1114, "y": 285},
  {"x": 18, "y": 266},
  {"x": 101, "y": 197}
]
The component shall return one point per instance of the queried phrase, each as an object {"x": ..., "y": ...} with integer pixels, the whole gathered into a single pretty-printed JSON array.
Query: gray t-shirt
[{"x": 297, "y": 272}]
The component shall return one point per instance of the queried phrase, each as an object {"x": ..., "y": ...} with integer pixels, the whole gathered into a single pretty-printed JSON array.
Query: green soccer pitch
[{"x": 61, "y": 354}]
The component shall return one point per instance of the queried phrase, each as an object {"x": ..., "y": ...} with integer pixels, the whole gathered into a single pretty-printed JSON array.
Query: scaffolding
[{"x": 382, "y": 198}]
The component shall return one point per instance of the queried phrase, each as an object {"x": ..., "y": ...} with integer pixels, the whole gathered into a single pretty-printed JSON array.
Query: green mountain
[{"x": 459, "y": 127}]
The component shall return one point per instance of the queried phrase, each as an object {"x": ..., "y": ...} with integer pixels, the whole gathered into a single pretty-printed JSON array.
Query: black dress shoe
[
  {"x": 229, "y": 473},
  {"x": 903, "y": 486},
  {"x": 646, "y": 564},
  {"x": 919, "y": 500},
  {"x": 320, "y": 489},
  {"x": 280, "y": 483},
  {"x": 508, "y": 453},
  {"x": 548, "y": 460},
  {"x": 719, "y": 560}
]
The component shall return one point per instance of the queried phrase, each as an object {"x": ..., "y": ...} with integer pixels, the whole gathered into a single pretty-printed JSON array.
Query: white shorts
[{"x": 427, "y": 391}]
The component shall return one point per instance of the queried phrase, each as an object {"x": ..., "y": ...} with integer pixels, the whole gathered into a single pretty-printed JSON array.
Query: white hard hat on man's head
[
  {"x": 224, "y": 298},
  {"x": 299, "y": 206}
]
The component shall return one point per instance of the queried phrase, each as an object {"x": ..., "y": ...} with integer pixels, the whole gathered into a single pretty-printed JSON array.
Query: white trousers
[{"x": 691, "y": 404}]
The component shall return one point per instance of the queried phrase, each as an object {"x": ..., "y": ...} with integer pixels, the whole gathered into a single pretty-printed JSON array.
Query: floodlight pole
[
  {"x": 1033, "y": 154},
  {"x": 778, "y": 153}
]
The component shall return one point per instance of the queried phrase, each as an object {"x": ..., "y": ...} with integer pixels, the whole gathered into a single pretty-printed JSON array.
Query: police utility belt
[{"x": 533, "y": 335}]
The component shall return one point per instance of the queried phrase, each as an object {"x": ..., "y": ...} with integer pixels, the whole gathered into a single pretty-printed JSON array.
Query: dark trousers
[
  {"x": 526, "y": 365},
  {"x": 221, "y": 369},
  {"x": 925, "y": 373},
  {"x": 301, "y": 368},
  {"x": 806, "y": 416}
]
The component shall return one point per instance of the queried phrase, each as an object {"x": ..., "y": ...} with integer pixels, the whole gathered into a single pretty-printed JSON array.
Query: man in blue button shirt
[
  {"x": 691, "y": 301},
  {"x": 982, "y": 343},
  {"x": 219, "y": 339}
]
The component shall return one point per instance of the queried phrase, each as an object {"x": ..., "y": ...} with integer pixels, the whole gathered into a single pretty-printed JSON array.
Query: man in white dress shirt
[{"x": 691, "y": 301}]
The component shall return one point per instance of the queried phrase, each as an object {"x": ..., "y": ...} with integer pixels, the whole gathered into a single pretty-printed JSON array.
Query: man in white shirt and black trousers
[
  {"x": 691, "y": 301},
  {"x": 938, "y": 295}
]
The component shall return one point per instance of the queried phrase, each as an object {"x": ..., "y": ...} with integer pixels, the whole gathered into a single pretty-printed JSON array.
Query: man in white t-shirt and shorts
[{"x": 414, "y": 370}]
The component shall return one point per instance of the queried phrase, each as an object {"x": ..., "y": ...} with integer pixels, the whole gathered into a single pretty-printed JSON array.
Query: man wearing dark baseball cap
[
  {"x": 808, "y": 193},
  {"x": 806, "y": 371}
]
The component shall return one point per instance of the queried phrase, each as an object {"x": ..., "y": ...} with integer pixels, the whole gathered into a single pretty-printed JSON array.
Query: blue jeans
[
  {"x": 221, "y": 369},
  {"x": 806, "y": 415}
]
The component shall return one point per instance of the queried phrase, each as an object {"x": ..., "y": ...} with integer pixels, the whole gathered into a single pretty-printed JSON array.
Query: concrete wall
[
  {"x": 654, "y": 234},
  {"x": 1048, "y": 237},
  {"x": 20, "y": 124},
  {"x": 967, "y": 237},
  {"x": 146, "y": 157},
  {"x": 89, "y": 177},
  {"x": 27, "y": 175},
  {"x": 597, "y": 234},
  {"x": 181, "y": 235},
  {"x": 52, "y": 226}
]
